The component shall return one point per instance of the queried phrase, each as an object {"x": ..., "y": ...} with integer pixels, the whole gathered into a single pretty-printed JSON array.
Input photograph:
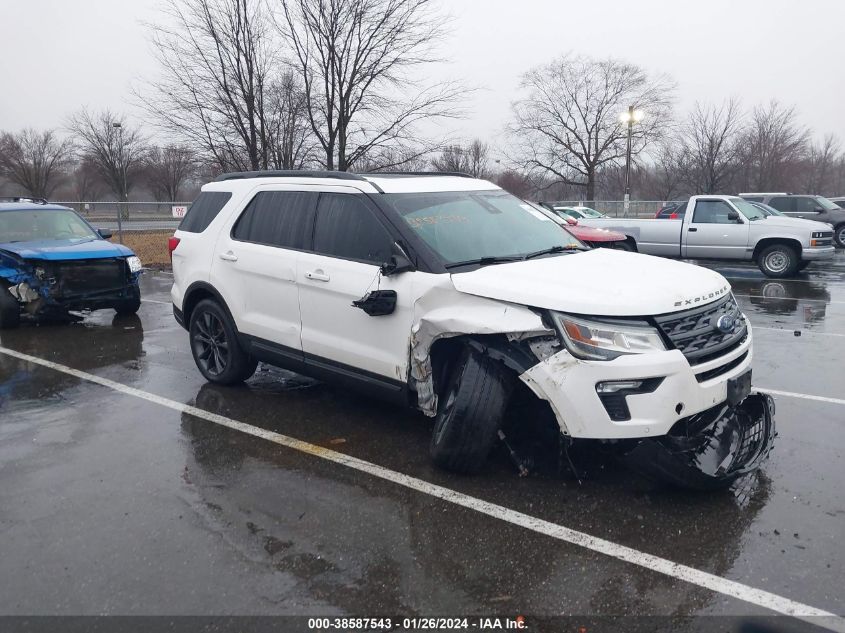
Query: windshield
[
  {"x": 34, "y": 225},
  {"x": 461, "y": 226},
  {"x": 747, "y": 209},
  {"x": 826, "y": 204},
  {"x": 589, "y": 213}
]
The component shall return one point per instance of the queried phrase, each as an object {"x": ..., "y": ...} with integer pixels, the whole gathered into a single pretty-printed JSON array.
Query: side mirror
[
  {"x": 398, "y": 263},
  {"x": 105, "y": 233},
  {"x": 818, "y": 210},
  {"x": 733, "y": 216}
]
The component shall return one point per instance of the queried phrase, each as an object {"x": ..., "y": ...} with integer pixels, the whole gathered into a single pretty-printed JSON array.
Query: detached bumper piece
[{"x": 712, "y": 449}]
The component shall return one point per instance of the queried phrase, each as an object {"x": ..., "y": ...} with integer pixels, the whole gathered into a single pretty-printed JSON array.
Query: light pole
[
  {"x": 630, "y": 117},
  {"x": 121, "y": 166}
]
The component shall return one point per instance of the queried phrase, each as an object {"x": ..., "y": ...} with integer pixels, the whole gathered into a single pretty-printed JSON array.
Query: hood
[
  {"x": 57, "y": 250},
  {"x": 792, "y": 223},
  {"x": 600, "y": 282}
]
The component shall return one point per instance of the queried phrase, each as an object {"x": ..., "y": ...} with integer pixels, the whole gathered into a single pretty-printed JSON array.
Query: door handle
[
  {"x": 317, "y": 275},
  {"x": 692, "y": 229},
  {"x": 228, "y": 256}
]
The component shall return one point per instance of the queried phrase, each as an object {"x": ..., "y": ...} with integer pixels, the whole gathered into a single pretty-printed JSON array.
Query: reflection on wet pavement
[{"x": 117, "y": 505}]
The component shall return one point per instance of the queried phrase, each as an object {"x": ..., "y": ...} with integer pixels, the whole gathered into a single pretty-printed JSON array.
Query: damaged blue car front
[{"x": 52, "y": 261}]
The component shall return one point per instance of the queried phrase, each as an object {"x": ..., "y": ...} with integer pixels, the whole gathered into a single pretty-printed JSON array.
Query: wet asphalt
[{"x": 110, "y": 504}]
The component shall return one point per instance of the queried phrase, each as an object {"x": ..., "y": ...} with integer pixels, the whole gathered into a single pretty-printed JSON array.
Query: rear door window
[
  {"x": 347, "y": 228},
  {"x": 277, "y": 218},
  {"x": 806, "y": 204},
  {"x": 783, "y": 203},
  {"x": 203, "y": 210}
]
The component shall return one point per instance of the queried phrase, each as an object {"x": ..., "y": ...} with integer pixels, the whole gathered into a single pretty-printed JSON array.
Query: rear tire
[
  {"x": 470, "y": 412},
  {"x": 778, "y": 261},
  {"x": 215, "y": 346},
  {"x": 10, "y": 310}
]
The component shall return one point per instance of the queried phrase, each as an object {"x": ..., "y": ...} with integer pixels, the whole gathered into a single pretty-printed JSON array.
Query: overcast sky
[{"x": 58, "y": 55}]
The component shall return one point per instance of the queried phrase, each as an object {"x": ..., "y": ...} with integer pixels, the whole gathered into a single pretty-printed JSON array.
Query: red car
[{"x": 594, "y": 238}]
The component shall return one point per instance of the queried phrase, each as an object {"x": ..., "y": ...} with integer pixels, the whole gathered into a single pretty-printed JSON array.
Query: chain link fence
[
  {"x": 142, "y": 226},
  {"x": 616, "y": 208}
]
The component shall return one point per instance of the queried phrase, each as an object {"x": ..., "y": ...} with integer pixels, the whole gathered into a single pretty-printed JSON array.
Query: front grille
[
  {"x": 694, "y": 331},
  {"x": 84, "y": 277},
  {"x": 721, "y": 369}
]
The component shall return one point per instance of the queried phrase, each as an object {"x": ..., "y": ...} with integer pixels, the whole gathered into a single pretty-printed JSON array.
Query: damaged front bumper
[{"x": 711, "y": 449}]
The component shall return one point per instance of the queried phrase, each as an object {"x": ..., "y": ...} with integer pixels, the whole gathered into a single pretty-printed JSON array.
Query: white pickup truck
[{"x": 728, "y": 227}]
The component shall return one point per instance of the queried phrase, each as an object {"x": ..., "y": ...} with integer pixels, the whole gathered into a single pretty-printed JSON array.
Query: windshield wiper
[
  {"x": 484, "y": 261},
  {"x": 552, "y": 250}
]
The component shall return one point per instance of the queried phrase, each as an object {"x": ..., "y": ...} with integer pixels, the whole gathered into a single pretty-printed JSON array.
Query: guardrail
[{"x": 130, "y": 216}]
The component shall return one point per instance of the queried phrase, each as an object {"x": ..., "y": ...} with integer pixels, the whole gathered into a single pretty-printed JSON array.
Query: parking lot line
[
  {"x": 712, "y": 582},
  {"x": 782, "y": 298},
  {"x": 783, "y": 329},
  {"x": 803, "y": 396}
]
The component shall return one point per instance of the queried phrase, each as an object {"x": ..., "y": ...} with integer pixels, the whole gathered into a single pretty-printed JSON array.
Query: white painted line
[
  {"x": 164, "y": 303},
  {"x": 730, "y": 588},
  {"x": 736, "y": 294},
  {"x": 803, "y": 332},
  {"x": 803, "y": 396}
]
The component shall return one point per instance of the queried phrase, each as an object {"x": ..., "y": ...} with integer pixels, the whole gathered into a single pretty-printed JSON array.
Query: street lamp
[
  {"x": 119, "y": 127},
  {"x": 630, "y": 117}
]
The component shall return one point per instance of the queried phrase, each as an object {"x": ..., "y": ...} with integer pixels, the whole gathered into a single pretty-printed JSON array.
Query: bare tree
[
  {"x": 220, "y": 89},
  {"x": 568, "y": 125},
  {"x": 821, "y": 170},
  {"x": 355, "y": 58},
  {"x": 711, "y": 141},
  {"x": 166, "y": 169},
  {"x": 34, "y": 160},
  {"x": 473, "y": 159},
  {"x": 86, "y": 182},
  {"x": 773, "y": 144},
  {"x": 517, "y": 183},
  {"x": 113, "y": 146},
  {"x": 290, "y": 139}
]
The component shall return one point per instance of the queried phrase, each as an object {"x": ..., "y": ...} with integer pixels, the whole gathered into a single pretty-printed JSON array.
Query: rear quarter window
[{"x": 203, "y": 211}]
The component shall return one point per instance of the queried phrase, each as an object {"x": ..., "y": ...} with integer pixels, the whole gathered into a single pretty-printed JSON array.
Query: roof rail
[
  {"x": 382, "y": 174},
  {"x": 287, "y": 173},
  {"x": 23, "y": 199}
]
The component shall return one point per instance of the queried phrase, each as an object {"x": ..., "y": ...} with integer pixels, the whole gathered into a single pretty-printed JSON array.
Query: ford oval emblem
[{"x": 725, "y": 323}]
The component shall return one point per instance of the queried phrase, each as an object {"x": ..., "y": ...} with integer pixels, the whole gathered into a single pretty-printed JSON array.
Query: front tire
[
  {"x": 215, "y": 347},
  {"x": 839, "y": 235},
  {"x": 470, "y": 412},
  {"x": 778, "y": 261},
  {"x": 624, "y": 246},
  {"x": 10, "y": 311}
]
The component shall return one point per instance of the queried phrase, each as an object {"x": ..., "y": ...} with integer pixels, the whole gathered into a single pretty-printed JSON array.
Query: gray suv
[{"x": 805, "y": 206}]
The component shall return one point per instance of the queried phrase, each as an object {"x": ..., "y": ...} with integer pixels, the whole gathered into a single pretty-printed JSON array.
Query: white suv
[{"x": 444, "y": 292}]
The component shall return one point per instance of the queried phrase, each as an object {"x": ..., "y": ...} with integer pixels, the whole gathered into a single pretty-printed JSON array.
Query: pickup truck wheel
[
  {"x": 778, "y": 261},
  {"x": 470, "y": 412},
  {"x": 10, "y": 311},
  {"x": 839, "y": 235},
  {"x": 215, "y": 347}
]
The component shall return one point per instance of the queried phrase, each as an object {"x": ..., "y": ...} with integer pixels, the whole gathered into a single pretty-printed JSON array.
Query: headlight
[
  {"x": 134, "y": 264},
  {"x": 817, "y": 234},
  {"x": 598, "y": 340}
]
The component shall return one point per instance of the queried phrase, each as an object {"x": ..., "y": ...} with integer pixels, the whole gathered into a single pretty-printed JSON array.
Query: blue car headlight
[{"x": 135, "y": 264}]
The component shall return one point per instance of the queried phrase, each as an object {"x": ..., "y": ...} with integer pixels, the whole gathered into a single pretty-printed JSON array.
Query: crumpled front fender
[{"x": 712, "y": 449}]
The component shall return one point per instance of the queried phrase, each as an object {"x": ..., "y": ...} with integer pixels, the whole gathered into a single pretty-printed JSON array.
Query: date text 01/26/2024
[{"x": 418, "y": 624}]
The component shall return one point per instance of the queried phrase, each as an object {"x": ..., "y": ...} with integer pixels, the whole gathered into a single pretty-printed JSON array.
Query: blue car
[{"x": 53, "y": 261}]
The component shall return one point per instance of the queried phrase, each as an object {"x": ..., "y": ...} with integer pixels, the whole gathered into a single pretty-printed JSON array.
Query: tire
[
  {"x": 624, "y": 246},
  {"x": 778, "y": 261},
  {"x": 10, "y": 310},
  {"x": 215, "y": 347},
  {"x": 839, "y": 235},
  {"x": 470, "y": 412},
  {"x": 803, "y": 265}
]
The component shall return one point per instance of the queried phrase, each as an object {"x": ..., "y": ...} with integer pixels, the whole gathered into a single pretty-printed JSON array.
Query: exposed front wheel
[
  {"x": 215, "y": 346},
  {"x": 10, "y": 311},
  {"x": 839, "y": 235},
  {"x": 778, "y": 261},
  {"x": 470, "y": 412}
]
